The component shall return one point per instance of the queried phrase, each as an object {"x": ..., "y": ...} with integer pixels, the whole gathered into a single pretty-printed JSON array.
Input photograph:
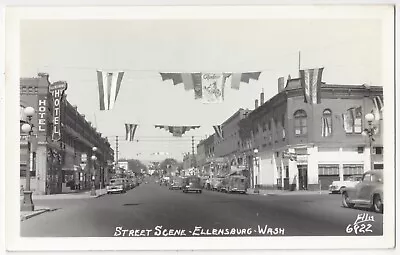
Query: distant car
[
  {"x": 216, "y": 183},
  {"x": 177, "y": 183},
  {"x": 192, "y": 183},
  {"x": 338, "y": 186},
  {"x": 117, "y": 185},
  {"x": 236, "y": 183},
  {"x": 367, "y": 193}
]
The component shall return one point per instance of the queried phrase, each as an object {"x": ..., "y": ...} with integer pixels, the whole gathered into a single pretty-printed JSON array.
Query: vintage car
[
  {"x": 367, "y": 193},
  {"x": 236, "y": 183},
  {"x": 118, "y": 185},
  {"x": 192, "y": 183},
  {"x": 216, "y": 183},
  {"x": 338, "y": 186},
  {"x": 224, "y": 185},
  {"x": 177, "y": 183}
]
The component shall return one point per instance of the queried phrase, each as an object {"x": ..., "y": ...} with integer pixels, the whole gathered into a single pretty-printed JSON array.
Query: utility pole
[
  {"x": 193, "y": 157},
  {"x": 116, "y": 154}
]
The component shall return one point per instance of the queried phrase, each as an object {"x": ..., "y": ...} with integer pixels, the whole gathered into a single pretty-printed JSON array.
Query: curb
[
  {"x": 23, "y": 218},
  {"x": 100, "y": 195}
]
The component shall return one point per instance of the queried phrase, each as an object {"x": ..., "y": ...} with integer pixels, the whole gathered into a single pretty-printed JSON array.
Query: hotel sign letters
[
  {"x": 42, "y": 111},
  {"x": 57, "y": 91}
]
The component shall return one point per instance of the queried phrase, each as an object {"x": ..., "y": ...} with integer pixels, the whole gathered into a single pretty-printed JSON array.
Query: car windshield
[{"x": 116, "y": 181}]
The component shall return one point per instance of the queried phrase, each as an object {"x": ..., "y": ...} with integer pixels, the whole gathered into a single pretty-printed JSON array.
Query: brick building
[
  {"x": 57, "y": 164},
  {"x": 325, "y": 147}
]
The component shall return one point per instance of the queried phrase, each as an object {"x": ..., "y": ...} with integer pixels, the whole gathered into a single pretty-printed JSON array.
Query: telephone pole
[
  {"x": 193, "y": 157},
  {"x": 116, "y": 154}
]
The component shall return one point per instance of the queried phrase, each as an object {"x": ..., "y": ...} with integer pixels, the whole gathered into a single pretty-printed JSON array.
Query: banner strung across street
[
  {"x": 177, "y": 131},
  {"x": 209, "y": 86}
]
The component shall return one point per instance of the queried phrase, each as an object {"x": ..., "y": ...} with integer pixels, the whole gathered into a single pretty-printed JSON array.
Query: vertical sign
[
  {"x": 42, "y": 109},
  {"x": 57, "y": 91}
]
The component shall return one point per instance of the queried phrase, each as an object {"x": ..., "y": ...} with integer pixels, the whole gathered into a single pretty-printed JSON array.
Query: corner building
[
  {"x": 325, "y": 147},
  {"x": 64, "y": 165}
]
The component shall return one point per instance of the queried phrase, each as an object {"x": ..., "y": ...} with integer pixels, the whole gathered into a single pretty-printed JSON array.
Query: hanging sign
[{"x": 57, "y": 91}]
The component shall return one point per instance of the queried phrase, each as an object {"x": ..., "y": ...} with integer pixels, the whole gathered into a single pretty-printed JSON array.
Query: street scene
[
  {"x": 150, "y": 206},
  {"x": 186, "y": 129}
]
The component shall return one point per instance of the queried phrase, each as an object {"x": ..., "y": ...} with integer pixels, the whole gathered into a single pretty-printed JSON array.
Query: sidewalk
[
  {"x": 75, "y": 195},
  {"x": 287, "y": 192}
]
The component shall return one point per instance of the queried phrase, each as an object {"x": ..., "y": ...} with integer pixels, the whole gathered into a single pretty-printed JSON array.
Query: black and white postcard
[{"x": 199, "y": 127}]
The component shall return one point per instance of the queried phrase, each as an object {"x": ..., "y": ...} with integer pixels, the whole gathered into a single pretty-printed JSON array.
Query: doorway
[{"x": 303, "y": 177}]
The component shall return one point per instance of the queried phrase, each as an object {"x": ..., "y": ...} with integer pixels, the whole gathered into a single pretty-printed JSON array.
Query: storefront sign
[
  {"x": 42, "y": 110},
  {"x": 57, "y": 91}
]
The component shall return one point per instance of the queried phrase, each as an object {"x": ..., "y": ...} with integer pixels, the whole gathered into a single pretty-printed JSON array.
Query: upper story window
[
  {"x": 269, "y": 125},
  {"x": 326, "y": 123},
  {"x": 21, "y": 113},
  {"x": 300, "y": 122},
  {"x": 352, "y": 120}
]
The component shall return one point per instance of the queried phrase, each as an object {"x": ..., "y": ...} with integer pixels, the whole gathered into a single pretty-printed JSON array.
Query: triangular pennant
[{"x": 109, "y": 84}]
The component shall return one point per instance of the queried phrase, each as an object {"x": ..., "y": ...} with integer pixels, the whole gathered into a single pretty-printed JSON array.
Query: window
[
  {"x": 300, "y": 123},
  {"x": 264, "y": 126},
  {"x": 21, "y": 113},
  {"x": 378, "y": 150},
  {"x": 353, "y": 169},
  {"x": 328, "y": 169},
  {"x": 326, "y": 123},
  {"x": 352, "y": 120},
  {"x": 269, "y": 125}
]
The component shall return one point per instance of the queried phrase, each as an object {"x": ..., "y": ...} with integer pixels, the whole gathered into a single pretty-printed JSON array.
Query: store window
[
  {"x": 353, "y": 169},
  {"x": 300, "y": 123},
  {"x": 326, "y": 123},
  {"x": 331, "y": 169}
]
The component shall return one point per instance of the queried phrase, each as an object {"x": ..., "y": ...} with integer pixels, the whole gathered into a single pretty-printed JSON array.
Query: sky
[{"x": 349, "y": 51}]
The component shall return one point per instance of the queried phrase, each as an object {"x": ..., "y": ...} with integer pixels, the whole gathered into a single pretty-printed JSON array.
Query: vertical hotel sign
[{"x": 57, "y": 90}]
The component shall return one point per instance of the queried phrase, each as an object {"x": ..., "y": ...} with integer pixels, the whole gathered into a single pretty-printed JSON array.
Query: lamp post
[
  {"x": 27, "y": 128},
  {"x": 94, "y": 158},
  {"x": 255, "y": 151},
  {"x": 370, "y": 132}
]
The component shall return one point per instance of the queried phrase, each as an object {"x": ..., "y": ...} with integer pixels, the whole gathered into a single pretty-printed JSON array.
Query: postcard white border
[{"x": 14, "y": 14}]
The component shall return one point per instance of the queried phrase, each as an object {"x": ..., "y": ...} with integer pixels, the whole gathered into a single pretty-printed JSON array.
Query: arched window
[
  {"x": 326, "y": 123},
  {"x": 352, "y": 120},
  {"x": 300, "y": 122}
]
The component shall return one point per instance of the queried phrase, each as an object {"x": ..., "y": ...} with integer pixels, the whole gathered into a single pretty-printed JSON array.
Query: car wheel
[
  {"x": 200, "y": 191},
  {"x": 341, "y": 190},
  {"x": 377, "y": 204},
  {"x": 346, "y": 201}
]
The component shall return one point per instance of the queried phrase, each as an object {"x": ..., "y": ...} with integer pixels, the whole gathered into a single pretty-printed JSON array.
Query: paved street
[{"x": 150, "y": 205}]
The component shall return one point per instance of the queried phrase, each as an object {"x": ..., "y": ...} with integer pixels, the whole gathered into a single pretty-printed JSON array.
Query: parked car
[
  {"x": 367, "y": 193},
  {"x": 117, "y": 185},
  {"x": 236, "y": 183},
  {"x": 338, "y": 186},
  {"x": 224, "y": 185},
  {"x": 192, "y": 183}
]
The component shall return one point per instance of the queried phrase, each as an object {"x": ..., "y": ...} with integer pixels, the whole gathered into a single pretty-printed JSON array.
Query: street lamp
[
  {"x": 255, "y": 151},
  {"x": 27, "y": 128},
  {"x": 93, "y": 158},
  {"x": 370, "y": 132}
]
